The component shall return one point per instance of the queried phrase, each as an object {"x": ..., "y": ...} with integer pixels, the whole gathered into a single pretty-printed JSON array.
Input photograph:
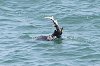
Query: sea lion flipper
[{"x": 52, "y": 18}]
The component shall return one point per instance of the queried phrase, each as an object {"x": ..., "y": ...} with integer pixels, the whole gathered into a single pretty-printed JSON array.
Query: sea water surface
[{"x": 23, "y": 20}]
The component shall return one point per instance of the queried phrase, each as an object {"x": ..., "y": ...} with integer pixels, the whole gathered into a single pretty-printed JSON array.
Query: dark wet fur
[
  {"x": 42, "y": 38},
  {"x": 58, "y": 33}
]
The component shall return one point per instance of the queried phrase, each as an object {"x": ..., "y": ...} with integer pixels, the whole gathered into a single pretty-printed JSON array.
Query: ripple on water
[
  {"x": 97, "y": 25},
  {"x": 25, "y": 37},
  {"x": 4, "y": 8},
  {"x": 23, "y": 28},
  {"x": 86, "y": 50},
  {"x": 90, "y": 57}
]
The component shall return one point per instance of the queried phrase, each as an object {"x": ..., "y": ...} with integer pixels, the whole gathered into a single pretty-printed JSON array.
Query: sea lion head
[{"x": 58, "y": 33}]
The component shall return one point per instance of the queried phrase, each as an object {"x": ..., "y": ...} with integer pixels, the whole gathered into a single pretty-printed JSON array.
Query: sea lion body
[{"x": 47, "y": 38}]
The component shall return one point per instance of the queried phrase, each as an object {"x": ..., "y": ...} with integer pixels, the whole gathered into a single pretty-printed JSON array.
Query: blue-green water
[{"x": 22, "y": 20}]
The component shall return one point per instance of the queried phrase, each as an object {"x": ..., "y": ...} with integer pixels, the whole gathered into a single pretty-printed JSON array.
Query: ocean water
[{"x": 23, "y": 20}]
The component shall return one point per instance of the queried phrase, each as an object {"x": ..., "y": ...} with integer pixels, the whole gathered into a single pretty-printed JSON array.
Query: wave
[
  {"x": 27, "y": 27},
  {"x": 91, "y": 57},
  {"x": 25, "y": 37}
]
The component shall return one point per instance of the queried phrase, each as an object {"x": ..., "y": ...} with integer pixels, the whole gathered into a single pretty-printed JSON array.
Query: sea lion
[{"x": 56, "y": 34}]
